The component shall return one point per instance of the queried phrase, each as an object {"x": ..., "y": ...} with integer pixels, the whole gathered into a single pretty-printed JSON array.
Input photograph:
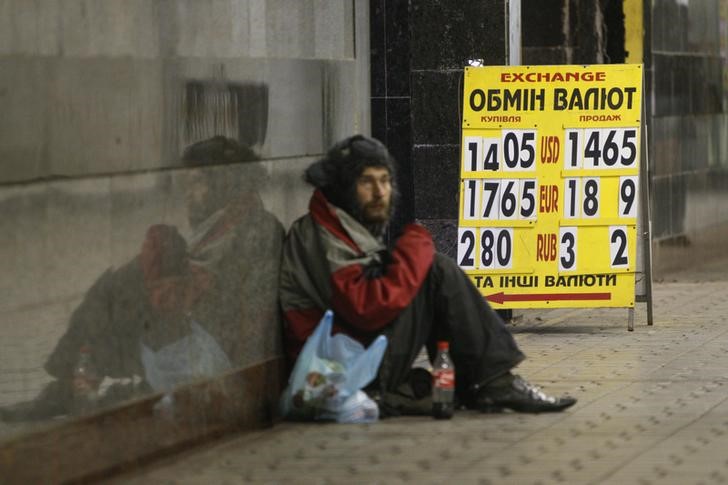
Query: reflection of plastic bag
[
  {"x": 192, "y": 357},
  {"x": 328, "y": 376}
]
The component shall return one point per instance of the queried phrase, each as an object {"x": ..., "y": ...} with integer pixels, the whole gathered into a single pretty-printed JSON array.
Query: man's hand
[{"x": 377, "y": 269}]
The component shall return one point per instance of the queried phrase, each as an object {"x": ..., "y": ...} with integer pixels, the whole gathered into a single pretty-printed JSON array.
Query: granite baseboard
[
  {"x": 689, "y": 251},
  {"x": 134, "y": 434}
]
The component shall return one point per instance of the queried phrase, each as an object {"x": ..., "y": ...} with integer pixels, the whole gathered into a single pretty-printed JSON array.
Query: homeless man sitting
[{"x": 334, "y": 257}]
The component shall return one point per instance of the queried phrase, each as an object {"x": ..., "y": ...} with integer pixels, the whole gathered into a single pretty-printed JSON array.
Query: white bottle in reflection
[{"x": 85, "y": 383}]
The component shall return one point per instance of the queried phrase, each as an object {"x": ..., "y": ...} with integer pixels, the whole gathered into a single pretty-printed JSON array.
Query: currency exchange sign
[{"x": 549, "y": 181}]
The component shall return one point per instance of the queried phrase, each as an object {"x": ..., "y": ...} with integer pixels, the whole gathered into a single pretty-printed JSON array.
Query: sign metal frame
[{"x": 553, "y": 190}]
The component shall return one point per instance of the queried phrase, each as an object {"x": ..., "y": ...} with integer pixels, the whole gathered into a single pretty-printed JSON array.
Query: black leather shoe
[{"x": 515, "y": 393}]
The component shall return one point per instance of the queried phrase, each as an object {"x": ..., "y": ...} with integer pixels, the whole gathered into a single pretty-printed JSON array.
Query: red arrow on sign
[{"x": 501, "y": 297}]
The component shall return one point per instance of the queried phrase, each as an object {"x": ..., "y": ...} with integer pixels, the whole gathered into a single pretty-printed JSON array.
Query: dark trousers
[{"x": 449, "y": 307}]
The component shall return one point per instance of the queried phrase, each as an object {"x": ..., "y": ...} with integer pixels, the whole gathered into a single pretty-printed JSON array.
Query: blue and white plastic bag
[
  {"x": 328, "y": 376},
  {"x": 192, "y": 357}
]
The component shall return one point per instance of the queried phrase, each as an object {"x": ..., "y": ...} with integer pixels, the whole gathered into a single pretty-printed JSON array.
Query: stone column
[{"x": 419, "y": 50}]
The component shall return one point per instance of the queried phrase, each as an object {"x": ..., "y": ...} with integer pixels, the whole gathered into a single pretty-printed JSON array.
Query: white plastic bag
[
  {"x": 328, "y": 376},
  {"x": 192, "y": 357}
]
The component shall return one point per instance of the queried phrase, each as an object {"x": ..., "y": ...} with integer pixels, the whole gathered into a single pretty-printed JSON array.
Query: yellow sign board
[{"x": 549, "y": 181}]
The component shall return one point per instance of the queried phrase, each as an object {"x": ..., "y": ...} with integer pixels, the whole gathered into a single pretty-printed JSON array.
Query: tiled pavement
[{"x": 653, "y": 409}]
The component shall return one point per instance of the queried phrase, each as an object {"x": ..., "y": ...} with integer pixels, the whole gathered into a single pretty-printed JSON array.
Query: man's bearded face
[
  {"x": 200, "y": 198},
  {"x": 374, "y": 194}
]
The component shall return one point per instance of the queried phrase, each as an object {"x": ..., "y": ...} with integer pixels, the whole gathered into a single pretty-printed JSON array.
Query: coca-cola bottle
[
  {"x": 85, "y": 383},
  {"x": 443, "y": 383}
]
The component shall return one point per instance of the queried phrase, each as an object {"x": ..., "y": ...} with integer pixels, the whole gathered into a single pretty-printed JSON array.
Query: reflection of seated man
[{"x": 224, "y": 278}]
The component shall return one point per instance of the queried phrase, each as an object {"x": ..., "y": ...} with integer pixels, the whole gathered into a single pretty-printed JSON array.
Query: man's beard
[
  {"x": 377, "y": 223},
  {"x": 376, "y": 212},
  {"x": 375, "y": 216}
]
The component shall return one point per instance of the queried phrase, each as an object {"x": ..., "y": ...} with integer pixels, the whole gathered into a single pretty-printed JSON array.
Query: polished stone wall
[
  {"x": 117, "y": 235},
  {"x": 686, "y": 86},
  {"x": 689, "y": 133},
  {"x": 419, "y": 50},
  {"x": 572, "y": 32}
]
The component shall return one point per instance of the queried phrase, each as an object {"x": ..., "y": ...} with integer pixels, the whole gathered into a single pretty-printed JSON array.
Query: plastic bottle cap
[{"x": 443, "y": 345}]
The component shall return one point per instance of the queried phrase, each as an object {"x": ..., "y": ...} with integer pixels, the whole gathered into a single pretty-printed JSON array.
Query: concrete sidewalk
[{"x": 653, "y": 408}]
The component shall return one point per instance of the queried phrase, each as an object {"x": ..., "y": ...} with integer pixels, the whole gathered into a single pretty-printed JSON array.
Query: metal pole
[
  {"x": 647, "y": 222},
  {"x": 513, "y": 27}
]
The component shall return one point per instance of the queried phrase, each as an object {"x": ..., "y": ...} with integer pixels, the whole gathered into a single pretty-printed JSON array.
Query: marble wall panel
[
  {"x": 30, "y": 28},
  {"x": 24, "y": 239},
  {"x": 707, "y": 142},
  {"x": 390, "y": 38},
  {"x": 418, "y": 52},
  {"x": 398, "y": 32},
  {"x": 687, "y": 84},
  {"x": 686, "y": 153},
  {"x": 106, "y": 116},
  {"x": 379, "y": 117},
  {"x": 289, "y": 196},
  {"x": 721, "y": 127},
  {"x": 240, "y": 99},
  {"x": 218, "y": 29},
  {"x": 543, "y": 21},
  {"x": 79, "y": 117},
  {"x": 29, "y": 334},
  {"x": 665, "y": 145},
  {"x": 108, "y": 236},
  {"x": 669, "y": 25},
  {"x": 290, "y": 21},
  {"x": 24, "y": 127},
  {"x": 301, "y": 93},
  {"x": 446, "y": 34},
  {"x": 333, "y": 29},
  {"x": 444, "y": 235},
  {"x": 395, "y": 131},
  {"x": 116, "y": 262},
  {"x": 689, "y": 132},
  {"x": 701, "y": 206},
  {"x": 342, "y": 103},
  {"x": 680, "y": 26},
  {"x": 90, "y": 29},
  {"x": 140, "y": 200},
  {"x": 544, "y": 56},
  {"x": 660, "y": 199},
  {"x": 437, "y": 175},
  {"x": 91, "y": 116},
  {"x": 378, "y": 48},
  {"x": 435, "y": 118},
  {"x": 144, "y": 29},
  {"x": 256, "y": 28},
  {"x": 78, "y": 235},
  {"x": 703, "y": 33}
]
